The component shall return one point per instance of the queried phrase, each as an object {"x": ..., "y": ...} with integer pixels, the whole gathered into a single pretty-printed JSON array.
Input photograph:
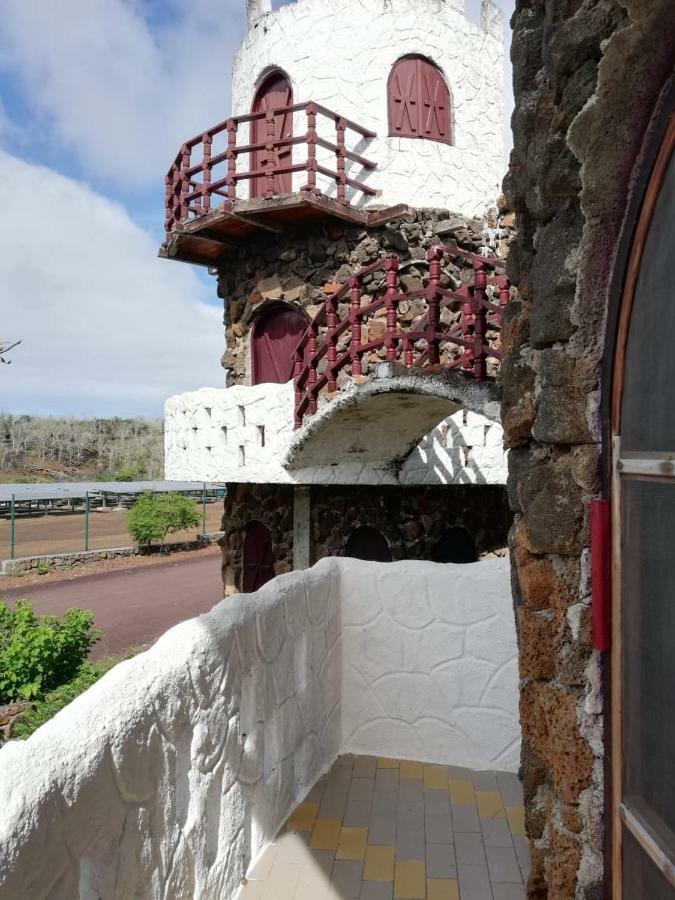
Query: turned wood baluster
[
  {"x": 168, "y": 203},
  {"x": 231, "y": 159},
  {"x": 269, "y": 158},
  {"x": 479, "y": 296},
  {"x": 341, "y": 180},
  {"x": 297, "y": 372},
  {"x": 331, "y": 340},
  {"x": 504, "y": 294},
  {"x": 354, "y": 311},
  {"x": 311, "y": 148},
  {"x": 433, "y": 303},
  {"x": 184, "y": 182},
  {"x": 391, "y": 307},
  {"x": 312, "y": 377},
  {"x": 466, "y": 324},
  {"x": 407, "y": 353},
  {"x": 207, "y": 140}
]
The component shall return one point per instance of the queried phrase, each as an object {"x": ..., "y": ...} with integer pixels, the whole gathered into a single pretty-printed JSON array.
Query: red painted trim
[{"x": 601, "y": 596}]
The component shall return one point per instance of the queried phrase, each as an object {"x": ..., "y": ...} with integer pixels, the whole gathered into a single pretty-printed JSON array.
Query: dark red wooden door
[
  {"x": 274, "y": 93},
  {"x": 419, "y": 100},
  {"x": 366, "y": 542},
  {"x": 275, "y": 337},
  {"x": 258, "y": 557}
]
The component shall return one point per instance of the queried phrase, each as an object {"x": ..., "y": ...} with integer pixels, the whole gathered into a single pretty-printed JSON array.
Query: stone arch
[
  {"x": 454, "y": 545},
  {"x": 275, "y": 333},
  {"x": 367, "y": 542}
]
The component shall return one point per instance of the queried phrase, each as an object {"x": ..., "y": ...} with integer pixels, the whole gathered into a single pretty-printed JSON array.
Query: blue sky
[{"x": 96, "y": 97}]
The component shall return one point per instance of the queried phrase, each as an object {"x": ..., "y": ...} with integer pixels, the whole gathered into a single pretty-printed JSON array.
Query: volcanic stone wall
[
  {"x": 411, "y": 519},
  {"x": 296, "y": 266},
  {"x": 587, "y": 76}
]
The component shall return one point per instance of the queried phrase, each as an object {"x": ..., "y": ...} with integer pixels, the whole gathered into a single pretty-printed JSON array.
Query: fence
[{"x": 35, "y": 526}]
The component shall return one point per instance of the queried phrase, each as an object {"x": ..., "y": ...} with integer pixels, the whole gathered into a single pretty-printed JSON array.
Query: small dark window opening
[
  {"x": 419, "y": 101},
  {"x": 367, "y": 542},
  {"x": 455, "y": 545}
]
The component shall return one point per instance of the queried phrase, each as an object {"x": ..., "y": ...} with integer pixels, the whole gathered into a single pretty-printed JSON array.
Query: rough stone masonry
[{"x": 587, "y": 76}]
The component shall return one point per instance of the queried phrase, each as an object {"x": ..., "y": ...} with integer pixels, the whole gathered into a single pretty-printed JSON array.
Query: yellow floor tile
[
  {"x": 325, "y": 834},
  {"x": 489, "y": 803},
  {"x": 435, "y": 777},
  {"x": 516, "y": 817},
  {"x": 409, "y": 879},
  {"x": 383, "y": 763},
  {"x": 352, "y": 843},
  {"x": 461, "y": 793},
  {"x": 303, "y": 817},
  {"x": 442, "y": 889},
  {"x": 411, "y": 769},
  {"x": 379, "y": 865}
]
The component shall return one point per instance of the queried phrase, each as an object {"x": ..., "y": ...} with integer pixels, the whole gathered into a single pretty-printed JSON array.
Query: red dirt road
[{"x": 133, "y": 607}]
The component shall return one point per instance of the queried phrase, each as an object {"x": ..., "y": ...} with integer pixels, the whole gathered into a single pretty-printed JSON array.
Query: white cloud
[
  {"x": 119, "y": 92},
  {"x": 107, "y": 328}
]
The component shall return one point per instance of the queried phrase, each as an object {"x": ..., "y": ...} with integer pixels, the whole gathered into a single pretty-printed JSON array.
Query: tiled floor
[{"x": 378, "y": 829}]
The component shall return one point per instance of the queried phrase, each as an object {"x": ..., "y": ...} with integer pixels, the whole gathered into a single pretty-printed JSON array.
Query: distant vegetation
[{"x": 37, "y": 448}]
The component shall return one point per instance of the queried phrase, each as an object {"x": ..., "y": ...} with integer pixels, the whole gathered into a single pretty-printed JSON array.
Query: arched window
[
  {"x": 274, "y": 93},
  {"x": 257, "y": 557},
  {"x": 366, "y": 542},
  {"x": 275, "y": 336},
  {"x": 419, "y": 101},
  {"x": 455, "y": 545}
]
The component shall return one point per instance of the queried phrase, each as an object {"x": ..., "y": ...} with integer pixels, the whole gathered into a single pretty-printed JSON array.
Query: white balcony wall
[
  {"x": 217, "y": 434},
  {"x": 170, "y": 775}
]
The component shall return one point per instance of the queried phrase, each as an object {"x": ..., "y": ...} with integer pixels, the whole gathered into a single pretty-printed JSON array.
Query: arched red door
[
  {"x": 275, "y": 337},
  {"x": 274, "y": 93},
  {"x": 257, "y": 557},
  {"x": 367, "y": 542}
]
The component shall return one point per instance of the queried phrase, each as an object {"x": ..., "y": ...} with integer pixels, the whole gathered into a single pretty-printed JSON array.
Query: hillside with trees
[{"x": 38, "y": 448}]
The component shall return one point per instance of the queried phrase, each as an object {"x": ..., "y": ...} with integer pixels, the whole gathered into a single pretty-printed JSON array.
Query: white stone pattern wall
[
  {"x": 217, "y": 434},
  {"x": 167, "y": 777},
  {"x": 340, "y": 54}
]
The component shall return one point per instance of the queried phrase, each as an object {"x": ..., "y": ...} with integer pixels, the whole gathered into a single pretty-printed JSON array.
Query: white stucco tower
[{"x": 343, "y": 54}]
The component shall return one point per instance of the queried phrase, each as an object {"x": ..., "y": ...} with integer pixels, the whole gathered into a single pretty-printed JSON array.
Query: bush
[
  {"x": 40, "y": 653},
  {"x": 152, "y": 517}
]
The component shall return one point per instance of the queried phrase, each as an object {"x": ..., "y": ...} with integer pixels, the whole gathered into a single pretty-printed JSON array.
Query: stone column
[{"x": 302, "y": 555}]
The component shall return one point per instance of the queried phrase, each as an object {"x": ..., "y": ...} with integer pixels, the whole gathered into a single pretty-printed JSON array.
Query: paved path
[{"x": 134, "y": 606}]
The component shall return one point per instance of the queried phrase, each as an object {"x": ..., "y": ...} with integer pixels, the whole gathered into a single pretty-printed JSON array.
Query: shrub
[
  {"x": 152, "y": 517},
  {"x": 43, "y": 567},
  {"x": 40, "y": 653}
]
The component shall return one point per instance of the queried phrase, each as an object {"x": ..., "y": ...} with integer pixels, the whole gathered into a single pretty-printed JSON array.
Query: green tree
[{"x": 153, "y": 516}]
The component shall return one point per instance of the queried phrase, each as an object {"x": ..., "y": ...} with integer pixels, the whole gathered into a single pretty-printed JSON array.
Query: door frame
[
  {"x": 652, "y": 166},
  {"x": 257, "y": 190},
  {"x": 267, "y": 310}
]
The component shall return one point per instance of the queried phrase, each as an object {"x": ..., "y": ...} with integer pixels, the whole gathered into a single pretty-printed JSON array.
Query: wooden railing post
[
  {"x": 297, "y": 372},
  {"x": 341, "y": 179},
  {"x": 354, "y": 318},
  {"x": 168, "y": 202},
  {"x": 391, "y": 307},
  {"x": 331, "y": 341},
  {"x": 433, "y": 303},
  {"x": 480, "y": 283},
  {"x": 407, "y": 353},
  {"x": 311, "y": 149},
  {"x": 184, "y": 182},
  {"x": 269, "y": 158},
  {"x": 504, "y": 293},
  {"x": 231, "y": 160},
  {"x": 312, "y": 376},
  {"x": 207, "y": 141}
]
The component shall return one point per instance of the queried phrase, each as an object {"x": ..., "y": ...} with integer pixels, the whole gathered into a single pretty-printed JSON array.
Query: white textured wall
[
  {"x": 168, "y": 776},
  {"x": 340, "y": 53},
  {"x": 214, "y": 434}
]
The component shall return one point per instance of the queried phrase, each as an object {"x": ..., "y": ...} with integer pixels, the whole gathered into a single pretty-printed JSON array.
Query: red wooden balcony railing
[
  {"x": 199, "y": 173},
  {"x": 420, "y": 343}
]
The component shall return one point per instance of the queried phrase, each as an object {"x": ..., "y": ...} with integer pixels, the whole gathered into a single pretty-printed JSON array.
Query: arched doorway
[
  {"x": 274, "y": 93},
  {"x": 643, "y": 522},
  {"x": 367, "y": 542},
  {"x": 273, "y": 341},
  {"x": 257, "y": 557},
  {"x": 455, "y": 545}
]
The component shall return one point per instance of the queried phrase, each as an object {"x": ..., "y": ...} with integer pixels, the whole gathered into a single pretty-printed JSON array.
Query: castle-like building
[{"x": 349, "y": 208}]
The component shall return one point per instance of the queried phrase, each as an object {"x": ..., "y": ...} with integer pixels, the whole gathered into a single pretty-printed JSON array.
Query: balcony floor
[{"x": 378, "y": 829}]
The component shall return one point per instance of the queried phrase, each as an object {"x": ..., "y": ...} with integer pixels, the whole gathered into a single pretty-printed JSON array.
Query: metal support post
[
  {"x": 204, "y": 508},
  {"x": 12, "y": 517},
  {"x": 86, "y": 521}
]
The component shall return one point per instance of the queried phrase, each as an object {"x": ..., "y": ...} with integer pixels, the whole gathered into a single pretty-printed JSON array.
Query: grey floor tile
[
  {"x": 459, "y": 773},
  {"x": 508, "y": 892},
  {"x": 438, "y": 827},
  {"x": 484, "y": 781},
  {"x": 346, "y": 877},
  {"x": 385, "y": 806},
  {"x": 511, "y": 788},
  {"x": 469, "y": 849},
  {"x": 357, "y": 815},
  {"x": 503, "y": 865},
  {"x": 360, "y": 790},
  {"x": 333, "y": 804},
  {"x": 522, "y": 853},
  {"x": 377, "y": 890},
  {"x": 382, "y": 829},
  {"x": 436, "y": 801},
  {"x": 410, "y": 815},
  {"x": 496, "y": 831},
  {"x": 316, "y": 793},
  {"x": 346, "y": 761},
  {"x": 465, "y": 818},
  {"x": 474, "y": 883},
  {"x": 323, "y": 859},
  {"x": 411, "y": 790},
  {"x": 410, "y": 844},
  {"x": 365, "y": 767},
  {"x": 441, "y": 861}
]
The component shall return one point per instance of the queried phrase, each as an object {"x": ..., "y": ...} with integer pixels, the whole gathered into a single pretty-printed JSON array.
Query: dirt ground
[{"x": 63, "y": 532}]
